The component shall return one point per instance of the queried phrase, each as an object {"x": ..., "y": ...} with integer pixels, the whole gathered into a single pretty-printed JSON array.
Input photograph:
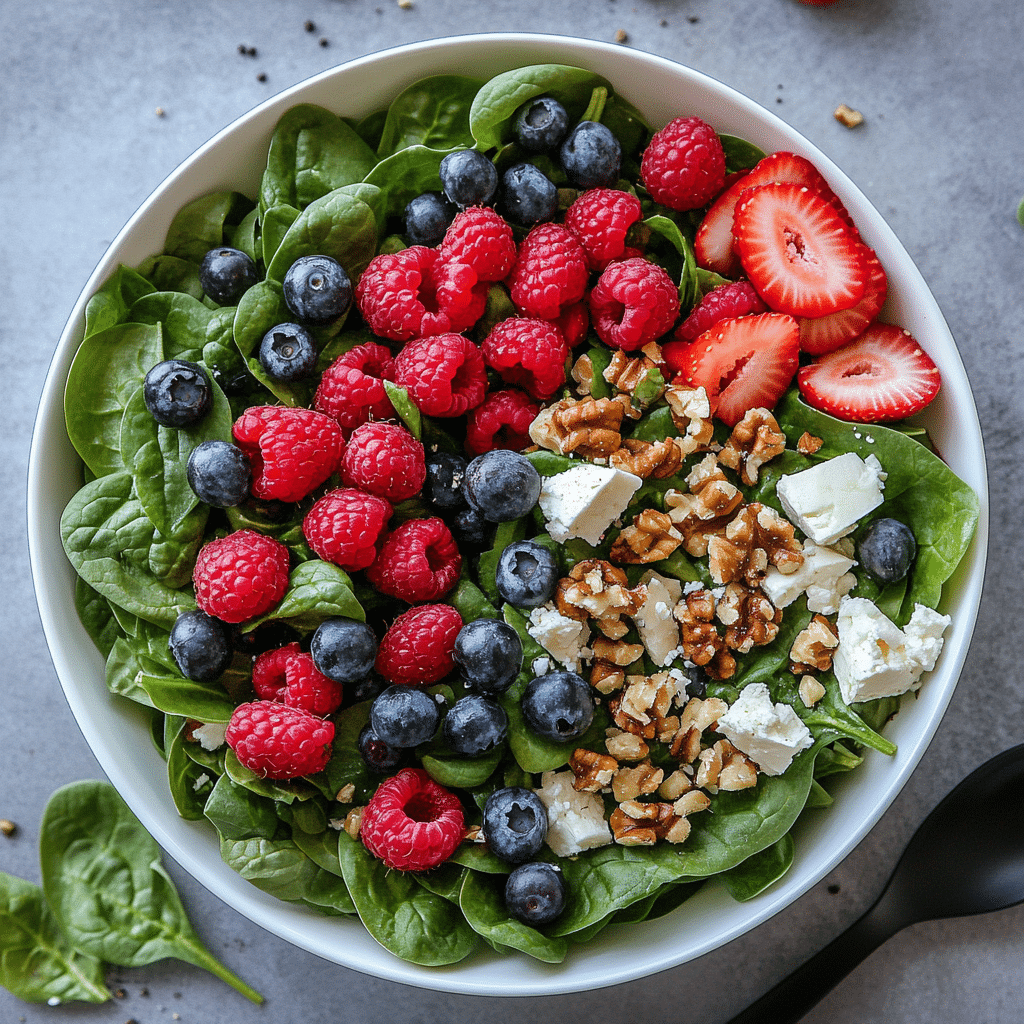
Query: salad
[{"x": 513, "y": 516}]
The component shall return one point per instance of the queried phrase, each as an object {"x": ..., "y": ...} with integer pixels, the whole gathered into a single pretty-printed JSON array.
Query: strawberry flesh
[{"x": 822, "y": 334}]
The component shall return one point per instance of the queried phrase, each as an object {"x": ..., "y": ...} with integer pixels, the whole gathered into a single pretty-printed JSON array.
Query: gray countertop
[{"x": 941, "y": 154}]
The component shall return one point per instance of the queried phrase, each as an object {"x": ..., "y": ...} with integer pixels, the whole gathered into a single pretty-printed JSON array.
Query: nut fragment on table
[
  {"x": 755, "y": 440},
  {"x": 847, "y": 116}
]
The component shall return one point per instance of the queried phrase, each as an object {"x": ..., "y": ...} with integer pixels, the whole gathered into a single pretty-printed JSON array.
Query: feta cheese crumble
[
  {"x": 563, "y": 638},
  {"x": 769, "y": 734},
  {"x": 824, "y": 576},
  {"x": 658, "y": 630},
  {"x": 584, "y": 501},
  {"x": 575, "y": 820}
]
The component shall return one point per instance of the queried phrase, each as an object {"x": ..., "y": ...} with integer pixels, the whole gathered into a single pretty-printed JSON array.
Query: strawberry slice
[
  {"x": 797, "y": 250},
  {"x": 743, "y": 363},
  {"x": 882, "y": 375},
  {"x": 822, "y": 334}
]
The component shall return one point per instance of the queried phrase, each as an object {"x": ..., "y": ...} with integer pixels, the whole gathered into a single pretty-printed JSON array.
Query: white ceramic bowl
[{"x": 116, "y": 729}]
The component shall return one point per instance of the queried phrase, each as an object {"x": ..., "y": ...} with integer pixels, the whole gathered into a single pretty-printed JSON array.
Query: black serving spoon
[{"x": 966, "y": 858}]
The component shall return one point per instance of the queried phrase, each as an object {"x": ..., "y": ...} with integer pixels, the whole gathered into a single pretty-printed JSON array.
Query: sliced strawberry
[
  {"x": 743, "y": 363},
  {"x": 882, "y": 375},
  {"x": 797, "y": 251},
  {"x": 822, "y": 334}
]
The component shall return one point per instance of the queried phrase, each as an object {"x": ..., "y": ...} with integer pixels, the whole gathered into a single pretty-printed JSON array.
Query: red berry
[
  {"x": 600, "y": 218},
  {"x": 527, "y": 352},
  {"x": 417, "y": 648},
  {"x": 276, "y": 741},
  {"x": 550, "y": 273},
  {"x": 345, "y": 527},
  {"x": 412, "y": 823},
  {"x": 352, "y": 389},
  {"x": 288, "y": 675},
  {"x": 738, "y": 298},
  {"x": 822, "y": 334},
  {"x": 683, "y": 166},
  {"x": 479, "y": 238},
  {"x": 444, "y": 375},
  {"x": 384, "y": 459},
  {"x": 501, "y": 421},
  {"x": 419, "y": 561},
  {"x": 240, "y": 576},
  {"x": 883, "y": 375},
  {"x": 573, "y": 322},
  {"x": 292, "y": 451},
  {"x": 634, "y": 302}
]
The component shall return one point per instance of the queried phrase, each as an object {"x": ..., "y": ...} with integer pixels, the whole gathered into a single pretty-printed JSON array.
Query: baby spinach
[
  {"x": 199, "y": 226},
  {"x": 316, "y": 590},
  {"x": 172, "y": 274},
  {"x": 432, "y": 112},
  {"x": 110, "y": 305},
  {"x": 740, "y": 155},
  {"x": 757, "y": 873},
  {"x": 97, "y": 615},
  {"x": 189, "y": 782},
  {"x": 184, "y": 321},
  {"x": 274, "y": 866},
  {"x": 175, "y": 695}
]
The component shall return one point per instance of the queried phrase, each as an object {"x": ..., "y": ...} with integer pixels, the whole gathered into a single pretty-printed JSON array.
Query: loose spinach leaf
[
  {"x": 104, "y": 881},
  {"x": 432, "y": 112}
]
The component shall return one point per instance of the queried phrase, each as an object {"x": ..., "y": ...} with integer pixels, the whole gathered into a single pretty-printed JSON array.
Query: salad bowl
[{"x": 119, "y": 732}]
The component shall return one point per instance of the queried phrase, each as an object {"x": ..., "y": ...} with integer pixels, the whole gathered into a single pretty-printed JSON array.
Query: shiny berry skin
[
  {"x": 279, "y": 742},
  {"x": 468, "y": 178},
  {"x": 501, "y": 485},
  {"x": 541, "y": 124},
  {"x": 490, "y": 654},
  {"x": 529, "y": 353},
  {"x": 288, "y": 674},
  {"x": 418, "y": 561},
  {"x": 551, "y": 273},
  {"x": 515, "y": 824},
  {"x": 346, "y": 527},
  {"x": 226, "y": 274},
  {"x": 480, "y": 239},
  {"x": 427, "y": 217},
  {"x": 527, "y": 574},
  {"x": 384, "y": 459},
  {"x": 240, "y": 576},
  {"x": 376, "y": 754},
  {"x": 558, "y": 706},
  {"x": 288, "y": 353},
  {"x": 886, "y": 550},
  {"x": 591, "y": 156},
  {"x": 200, "y": 645},
  {"x": 738, "y": 298},
  {"x": 444, "y": 374},
  {"x": 535, "y": 893},
  {"x": 219, "y": 473},
  {"x": 317, "y": 289},
  {"x": 177, "y": 393},
  {"x": 634, "y": 302},
  {"x": 471, "y": 529},
  {"x": 344, "y": 649},
  {"x": 417, "y": 648},
  {"x": 601, "y": 218},
  {"x": 351, "y": 389},
  {"x": 404, "y": 716},
  {"x": 475, "y": 725},
  {"x": 528, "y": 195},
  {"x": 501, "y": 420},
  {"x": 443, "y": 487},
  {"x": 683, "y": 166}
]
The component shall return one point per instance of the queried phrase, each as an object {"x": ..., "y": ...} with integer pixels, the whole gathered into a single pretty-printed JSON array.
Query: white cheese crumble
[
  {"x": 210, "y": 735},
  {"x": 658, "y": 630},
  {"x": 563, "y": 638},
  {"x": 575, "y": 820},
  {"x": 585, "y": 500},
  {"x": 824, "y": 575},
  {"x": 769, "y": 734}
]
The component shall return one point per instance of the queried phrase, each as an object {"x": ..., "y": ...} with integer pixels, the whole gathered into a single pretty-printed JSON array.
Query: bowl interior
[{"x": 118, "y": 731}]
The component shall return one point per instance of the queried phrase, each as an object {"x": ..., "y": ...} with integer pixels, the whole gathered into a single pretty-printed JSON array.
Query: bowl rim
[{"x": 599, "y": 964}]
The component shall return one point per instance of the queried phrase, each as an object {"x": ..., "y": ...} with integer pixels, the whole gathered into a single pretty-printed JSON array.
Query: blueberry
[
  {"x": 376, "y": 754},
  {"x": 528, "y": 194},
  {"x": 515, "y": 824},
  {"x": 535, "y": 892},
  {"x": 344, "y": 649},
  {"x": 541, "y": 124},
  {"x": 490, "y": 654},
  {"x": 367, "y": 688},
  {"x": 219, "y": 473},
  {"x": 288, "y": 352},
  {"x": 267, "y": 637},
  {"x": 501, "y": 485},
  {"x": 177, "y": 393},
  {"x": 200, "y": 645},
  {"x": 470, "y": 528},
  {"x": 317, "y": 289},
  {"x": 404, "y": 716},
  {"x": 527, "y": 574},
  {"x": 475, "y": 725},
  {"x": 591, "y": 156},
  {"x": 468, "y": 178},
  {"x": 696, "y": 681},
  {"x": 887, "y": 549},
  {"x": 427, "y": 218},
  {"x": 225, "y": 274},
  {"x": 443, "y": 488},
  {"x": 558, "y": 706}
]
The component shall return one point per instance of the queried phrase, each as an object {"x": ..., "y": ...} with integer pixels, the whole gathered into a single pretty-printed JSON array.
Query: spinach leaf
[
  {"x": 245, "y": 235},
  {"x": 103, "y": 879},
  {"x": 172, "y": 274},
  {"x": 183, "y": 319},
  {"x": 282, "y": 790},
  {"x": 740, "y": 155},
  {"x": 199, "y": 226},
  {"x": 176, "y": 695},
  {"x": 189, "y": 782},
  {"x": 757, "y": 873},
  {"x": 346, "y": 766},
  {"x": 316, "y": 590},
  {"x": 471, "y": 602},
  {"x": 97, "y": 615},
  {"x": 274, "y": 866},
  {"x": 408, "y": 411},
  {"x": 432, "y": 112},
  {"x": 459, "y": 771},
  {"x": 37, "y": 963},
  {"x": 274, "y": 226},
  {"x": 144, "y": 652},
  {"x": 259, "y": 309},
  {"x": 110, "y": 305}
]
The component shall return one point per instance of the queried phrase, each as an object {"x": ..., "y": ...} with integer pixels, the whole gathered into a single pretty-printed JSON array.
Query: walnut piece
[
  {"x": 650, "y": 538},
  {"x": 811, "y": 691},
  {"x": 627, "y": 373},
  {"x": 658, "y": 459},
  {"x": 701, "y": 642},
  {"x": 808, "y": 444},
  {"x": 691, "y": 416},
  {"x": 643, "y": 704},
  {"x": 724, "y": 767},
  {"x": 699, "y": 715},
  {"x": 616, "y": 652},
  {"x": 756, "y": 537},
  {"x": 597, "y": 589},
  {"x": 847, "y": 116},
  {"x": 635, "y": 823},
  {"x": 754, "y": 441},
  {"x": 813, "y": 647},
  {"x": 605, "y": 677},
  {"x": 706, "y": 509},
  {"x": 593, "y": 771},
  {"x": 587, "y": 427},
  {"x": 751, "y": 620},
  {"x": 637, "y": 780},
  {"x": 625, "y": 746}
]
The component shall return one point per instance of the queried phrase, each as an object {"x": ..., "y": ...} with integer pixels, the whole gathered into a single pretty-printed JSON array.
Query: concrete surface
[{"x": 941, "y": 85}]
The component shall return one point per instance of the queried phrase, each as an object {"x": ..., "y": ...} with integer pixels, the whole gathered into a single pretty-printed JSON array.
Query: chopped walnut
[
  {"x": 756, "y": 537},
  {"x": 346, "y": 794},
  {"x": 754, "y": 441},
  {"x": 691, "y": 416},
  {"x": 473, "y": 834},
  {"x": 658, "y": 459},
  {"x": 847, "y": 116},
  {"x": 593, "y": 771},
  {"x": 634, "y": 823},
  {"x": 588, "y": 428},
  {"x": 813, "y": 647},
  {"x": 650, "y": 538},
  {"x": 625, "y": 746},
  {"x": 626, "y": 373},
  {"x": 808, "y": 444},
  {"x": 605, "y": 677},
  {"x": 612, "y": 627},
  {"x": 698, "y": 716},
  {"x": 643, "y": 704},
  {"x": 675, "y": 785},
  {"x": 617, "y": 652},
  {"x": 751, "y": 620},
  {"x": 691, "y": 802},
  {"x": 583, "y": 373},
  {"x": 701, "y": 642},
  {"x": 811, "y": 691},
  {"x": 637, "y": 780},
  {"x": 705, "y": 511},
  {"x": 353, "y": 820},
  {"x": 738, "y": 771},
  {"x": 596, "y": 588}
]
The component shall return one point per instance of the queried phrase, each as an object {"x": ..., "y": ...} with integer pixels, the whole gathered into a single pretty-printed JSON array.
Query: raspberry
[
  {"x": 292, "y": 451},
  {"x": 501, "y": 421},
  {"x": 240, "y": 576},
  {"x": 384, "y": 459},
  {"x": 527, "y": 352},
  {"x": 400, "y": 298},
  {"x": 417, "y": 649},
  {"x": 683, "y": 166},
  {"x": 419, "y": 561},
  {"x": 738, "y": 298},
  {"x": 600, "y": 219},
  {"x": 412, "y": 823},
  {"x": 345, "y": 526},
  {"x": 633, "y": 303},
  {"x": 444, "y": 375},
  {"x": 352, "y": 391},
  {"x": 279, "y": 742},
  {"x": 551, "y": 272},
  {"x": 480, "y": 238},
  {"x": 573, "y": 322},
  {"x": 287, "y": 675}
]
